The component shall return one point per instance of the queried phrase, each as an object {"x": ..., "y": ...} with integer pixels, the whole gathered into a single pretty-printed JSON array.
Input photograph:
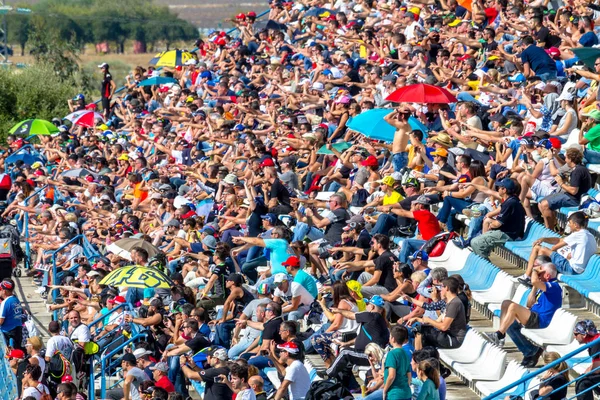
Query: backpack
[
  {"x": 44, "y": 396},
  {"x": 58, "y": 366},
  {"x": 327, "y": 389},
  {"x": 435, "y": 246}
]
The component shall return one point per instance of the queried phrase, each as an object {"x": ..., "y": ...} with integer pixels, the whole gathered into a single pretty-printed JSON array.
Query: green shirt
[
  {"x": 593, "y": 135},
  {"x": 398, "y": 359},
  {"x": 428, "y": 391}
]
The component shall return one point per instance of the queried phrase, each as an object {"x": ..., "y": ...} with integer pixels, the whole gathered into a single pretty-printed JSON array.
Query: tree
[{"x": 18, "y": 30}]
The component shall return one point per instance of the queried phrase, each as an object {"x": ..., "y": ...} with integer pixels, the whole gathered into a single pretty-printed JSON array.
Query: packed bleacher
[{"x": 312, "y": 206}]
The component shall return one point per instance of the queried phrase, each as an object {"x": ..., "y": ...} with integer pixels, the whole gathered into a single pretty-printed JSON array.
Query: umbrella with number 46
[
  {"x": 85, "y": 118},
  {"x": 34, "y": 127}
]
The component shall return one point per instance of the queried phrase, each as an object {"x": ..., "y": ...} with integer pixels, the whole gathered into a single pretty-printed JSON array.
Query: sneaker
[
  {"x": 531, "y": 361},
  {"x": 461, "y": 242},
  {"x": 41, "y": 290},
  {"x": 525, "y": 280},
  {"x": 493, "y": 337}
]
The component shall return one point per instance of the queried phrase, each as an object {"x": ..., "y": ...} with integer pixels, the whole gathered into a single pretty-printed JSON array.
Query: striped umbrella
[
  {"x": 85, "y": 118},
  {"x": 173, "y": 58}
]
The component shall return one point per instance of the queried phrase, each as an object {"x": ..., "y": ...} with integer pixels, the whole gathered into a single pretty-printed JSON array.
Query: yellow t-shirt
[{"x": 393, "y": 198}]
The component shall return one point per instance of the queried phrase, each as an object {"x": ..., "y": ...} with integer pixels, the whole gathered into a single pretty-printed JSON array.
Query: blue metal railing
[
  {"x": 500, "y": 394},
  {"x": 25, "y": 232}
]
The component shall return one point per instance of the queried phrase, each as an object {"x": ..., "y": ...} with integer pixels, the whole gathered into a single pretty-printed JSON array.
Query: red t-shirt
[
  {"x": 428, "y": 224},
  {"x": 166, "y": 384}
]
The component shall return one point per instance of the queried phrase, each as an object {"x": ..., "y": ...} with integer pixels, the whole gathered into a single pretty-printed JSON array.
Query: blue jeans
[
  {"x": 223, "y": 333},
  {"x": 376, "y": 395},
  {"x": 399, "y": 161},
  {"x": 176, "y": 376},
  {"x": 525, "y": 346},
  {"x": 308, "y": 347},
  {"x": 239, "y": 348},
  {"x": 409, "y": 246},
  {"x": 451, "y": 207},
  {"x": 134, "y": 295},
  {"x": 384, "y": 223},
  {"x": 303, "y": 230},
  {"x": 476, "y": 224},
  {"x": 547, "y": 76},
  {"x": 592, "y": 157},
  {"x": 563, "y": 265}
]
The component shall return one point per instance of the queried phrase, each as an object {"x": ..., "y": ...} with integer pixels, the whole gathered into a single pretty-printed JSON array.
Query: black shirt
[
  {"x": 197, "y": 343},
  {"x": 271, "y": 330},
  {"x": 512, "y": 216},
  {"x": 385, "y": 264},
  {"x": 214, "y": 390},
  {"x": 279, "y": 191},
  {"x": 555, "y": 382},
  {"x": 549, "y": 40},
  {"x": 447, "y": 168},
  {"x": 333, "y": 231},
  {"x": 373, "y": 329},
  {"x": 354, "y": 77},
  {"x": 581, "y": 179},
  {"x": 106, "y": 86},
  {"x": 219, "y": 286}
]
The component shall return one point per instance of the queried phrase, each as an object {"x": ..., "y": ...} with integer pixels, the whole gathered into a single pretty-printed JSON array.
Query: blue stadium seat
[{"x": 588, "y": 281}]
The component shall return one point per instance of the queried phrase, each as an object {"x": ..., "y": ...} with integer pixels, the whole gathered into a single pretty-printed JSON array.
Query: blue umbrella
[
  {"x": 313, "y": 12},
  {"x": 371, "y": 124},
  {"x": 27, "y": 158},
  {"x": 157, "y": 80}
]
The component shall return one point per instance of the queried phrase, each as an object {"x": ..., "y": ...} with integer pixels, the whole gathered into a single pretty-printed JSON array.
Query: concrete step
[{"x": 34, "y": 304}]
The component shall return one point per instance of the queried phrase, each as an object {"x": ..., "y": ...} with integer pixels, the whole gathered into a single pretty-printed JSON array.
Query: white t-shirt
[
  {"x": 299, "y": 379},
  {"x": 42, "y": 363},
  {"x": 178, "y": 156},
  {"x": 81, "y": 334},
  {"x": 35, "y": 392},
  {"x": 246, "y": 394},
  {"x": 295, "y": 289},
  {"x": 60, "y": 343},
  {"x": 583, "y": 247}
]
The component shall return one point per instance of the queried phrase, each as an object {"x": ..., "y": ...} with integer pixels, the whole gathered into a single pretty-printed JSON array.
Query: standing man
[
  {"x": 107, "y": 89},
  {"x": 399, "y": 120},
  {"x": 11, "y": 323}
]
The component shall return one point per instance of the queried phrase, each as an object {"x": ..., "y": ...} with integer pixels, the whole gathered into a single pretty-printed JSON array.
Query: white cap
[
  {"x": 281, "y": 277},
  {"x": 191, "y": 61}
]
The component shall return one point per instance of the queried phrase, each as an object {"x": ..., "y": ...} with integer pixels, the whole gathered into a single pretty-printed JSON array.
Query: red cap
[
  {"x": 464, "y": 57},
  {"x": 553, "y": 52},
  {"x": 293, "y": 261},
  {"x": 66, "y": 379},
  {"x": 164, "y": 89},
  {"x": 31, "y": 182},
  {"x": 556, "y": 144},
  {"x": 38, "y": 172},
  {"x": 241, "y": 16},
  {"x": 89, "y": 178},
  {"x": 324, "y": 126},
  {"x": 251, "y": 14},
  {"x": 331, "y": 18},
  {"x": 267, "y": 162},
  {"x": 16, "y": 353},
  {"x": 371, "y": 161},
  {"x": 117, "y": 300},
  {"x": 290, "y": 347},
  {"x": 220, "y": 42}
]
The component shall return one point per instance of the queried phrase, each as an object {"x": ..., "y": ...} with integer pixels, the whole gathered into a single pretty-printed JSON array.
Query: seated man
[
  {"x": 586, "y": 332},
  {"x": 542, "y": 303},
  {"x": 293, "y": 296},
  {"x": 570, "y": 254}
]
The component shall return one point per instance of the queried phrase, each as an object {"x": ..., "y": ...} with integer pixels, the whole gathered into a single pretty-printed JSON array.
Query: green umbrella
[
  {"x": 34, "y": 127},
  {"x": 339, "y": 146},
  {"x": 588, "y": 55}
]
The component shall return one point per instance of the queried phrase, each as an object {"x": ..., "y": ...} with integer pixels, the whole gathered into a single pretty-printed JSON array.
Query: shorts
[
  {"x": 196, "y": 248},
  {"x": 558, "y": 200},
  {"x": 399, "y": 161},
  {"x": 439, "y": 339},
  {"x": 563, "y": 265},
  {"x": 533, "y": 322},
  {"x": 542, "y": 189}
]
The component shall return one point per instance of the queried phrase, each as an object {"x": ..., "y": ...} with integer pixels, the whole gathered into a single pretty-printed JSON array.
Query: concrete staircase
[{"x": 34, "y": 304}]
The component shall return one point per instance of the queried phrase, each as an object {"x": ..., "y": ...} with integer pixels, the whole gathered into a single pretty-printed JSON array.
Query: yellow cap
[
  {"x": 455, "y": 22},
  {"x": 355, "y": 286},
  {"x": 123, "y": 157},
  {"x": 37, "y": 165},
  {"x": 103, "y": 127},
  {"x": 388, "y": 180},
  {"x": 415, "y": 10}
]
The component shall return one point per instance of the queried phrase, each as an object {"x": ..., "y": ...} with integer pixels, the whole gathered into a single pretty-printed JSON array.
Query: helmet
[{"x": 585, "y": 327}]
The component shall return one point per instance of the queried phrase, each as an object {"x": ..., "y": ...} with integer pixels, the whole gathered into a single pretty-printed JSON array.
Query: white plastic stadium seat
[
  {"x": 560, "y": 330},
  {"x": 273, "y": 376},
  {"x": 502, "y": 288},
  {"x": 594, "y": 296},
  {"x": 514, "y": 371},
  {"x": 324, "y": 196},
  {"x": 469, "y": 352},
  {"x": 564, "y": 349},
  {"x": 453, "y": 259},
  {"x": 516, "y": 298},
  {"x": 488, "y": 367}
]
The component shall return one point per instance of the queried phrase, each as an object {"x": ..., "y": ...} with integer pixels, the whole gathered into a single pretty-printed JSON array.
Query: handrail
[
  {"x": 54, "y": 277},
  {"x": 103, "y": 359},
  {"x": 124, "y": 305},
  {"x": 230, "y": 31},
  {"x": 498, "y": 394}
]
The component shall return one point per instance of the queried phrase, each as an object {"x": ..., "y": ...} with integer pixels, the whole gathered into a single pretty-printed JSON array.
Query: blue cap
[
  {"x": 272, "y": 218},
  {"x": 517, "y": 78},
  {"x": 419, "y": 254},
  {"x": 507, "y": 183},
  {"x": 376, "y": 300},
  {"x": 208, "y": 229},
  {"x": 79, "y": 97},
  {"x": 239, "y": 127},
  {"x": 206, "y": 74}
]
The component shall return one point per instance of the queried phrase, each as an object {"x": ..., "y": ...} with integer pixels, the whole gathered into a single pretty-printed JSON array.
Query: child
[{"x": 430, "y": 376}]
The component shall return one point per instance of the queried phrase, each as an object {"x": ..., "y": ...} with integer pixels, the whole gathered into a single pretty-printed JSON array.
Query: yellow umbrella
[
  {"x": 138, "y": 277},
  {"x": 172, "y": 58}
]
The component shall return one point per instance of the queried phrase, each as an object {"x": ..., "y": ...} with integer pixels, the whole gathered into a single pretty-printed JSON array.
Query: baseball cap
[
  {"x": 585, "y": 327},
  {"x": 210, "y": 242},
  {"x": 130, "y": 358},
  {"x": 357, "y": 219},
  {"x": 507, "y": 183},
  {"x": 7, "y": 285},
  {"x": 231, "y": 179},
  {"x": 376, "y": 300},
  {"x": 442, "y": 152},
  {"x": 355, "y": 287},
  {"x": 161, "y": 366},
  {"x": 517, "y": 78},
  {"x": 371, "y": 161},
  {"x": 117, "y": 300},
  {"x": 553, "y": 52},
  {"x": 419, "y": 254},
  {"x": 290, "y": 347},
  {"x": 141, "y": 353},
  {"x": 414, "y": 182},
  {"x": 103, "y": 65},
  {"x": 156, "y": 302},
  {"x": 263, "y": 288},
  {"x": 92, "y": 273},
  {"x": 267, "y": 162},
  {"x": 208, "y": 229},
  {"x": 526, "y": 141},
  {"x": 219, "y": 353},
  {"x": 464, "y": 57},
  {"x": 16, "y": 353},
  {"x": 594, "y": 114},
  {"x": 422, "y": 200},
  {"x": 388, "y": 180},
  {"x": 272, "y": 218},
  {"x": 235, "y": 278},
  {"x": 278, "y": 278},
  {"x": 318, "y": 86},
  {"x": 292, "y": 261},
  {"x": 174, "y": 223}
]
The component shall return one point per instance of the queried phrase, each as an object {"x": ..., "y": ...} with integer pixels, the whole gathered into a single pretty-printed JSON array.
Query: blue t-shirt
[
  {"x": 11, "y": 311},
  {"x": 547, "y": 302},
  {"x": 588, "y": 39},
  {"x": 204, "y": 330},
  {"x": 280, "y": 252},
  {"x": 409, "y": 349},
  {"x": 539, "y": 61},
  {"x": 308, "y": 282}
]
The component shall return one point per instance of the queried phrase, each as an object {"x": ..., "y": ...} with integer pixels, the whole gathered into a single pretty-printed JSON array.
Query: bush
[{"x": 35, "y": 92}]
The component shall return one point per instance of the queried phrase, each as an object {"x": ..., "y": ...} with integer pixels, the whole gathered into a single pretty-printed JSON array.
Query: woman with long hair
[
  {"x": 342, "y": 330},
  {"x": 552, "y": 379},
  {"x": 430, "y": 376}
]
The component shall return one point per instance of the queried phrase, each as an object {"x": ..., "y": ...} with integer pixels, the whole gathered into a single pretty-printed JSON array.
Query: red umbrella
[
  {"x": 422, "y": 93},
  {"x": 87, "y": 118}
]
